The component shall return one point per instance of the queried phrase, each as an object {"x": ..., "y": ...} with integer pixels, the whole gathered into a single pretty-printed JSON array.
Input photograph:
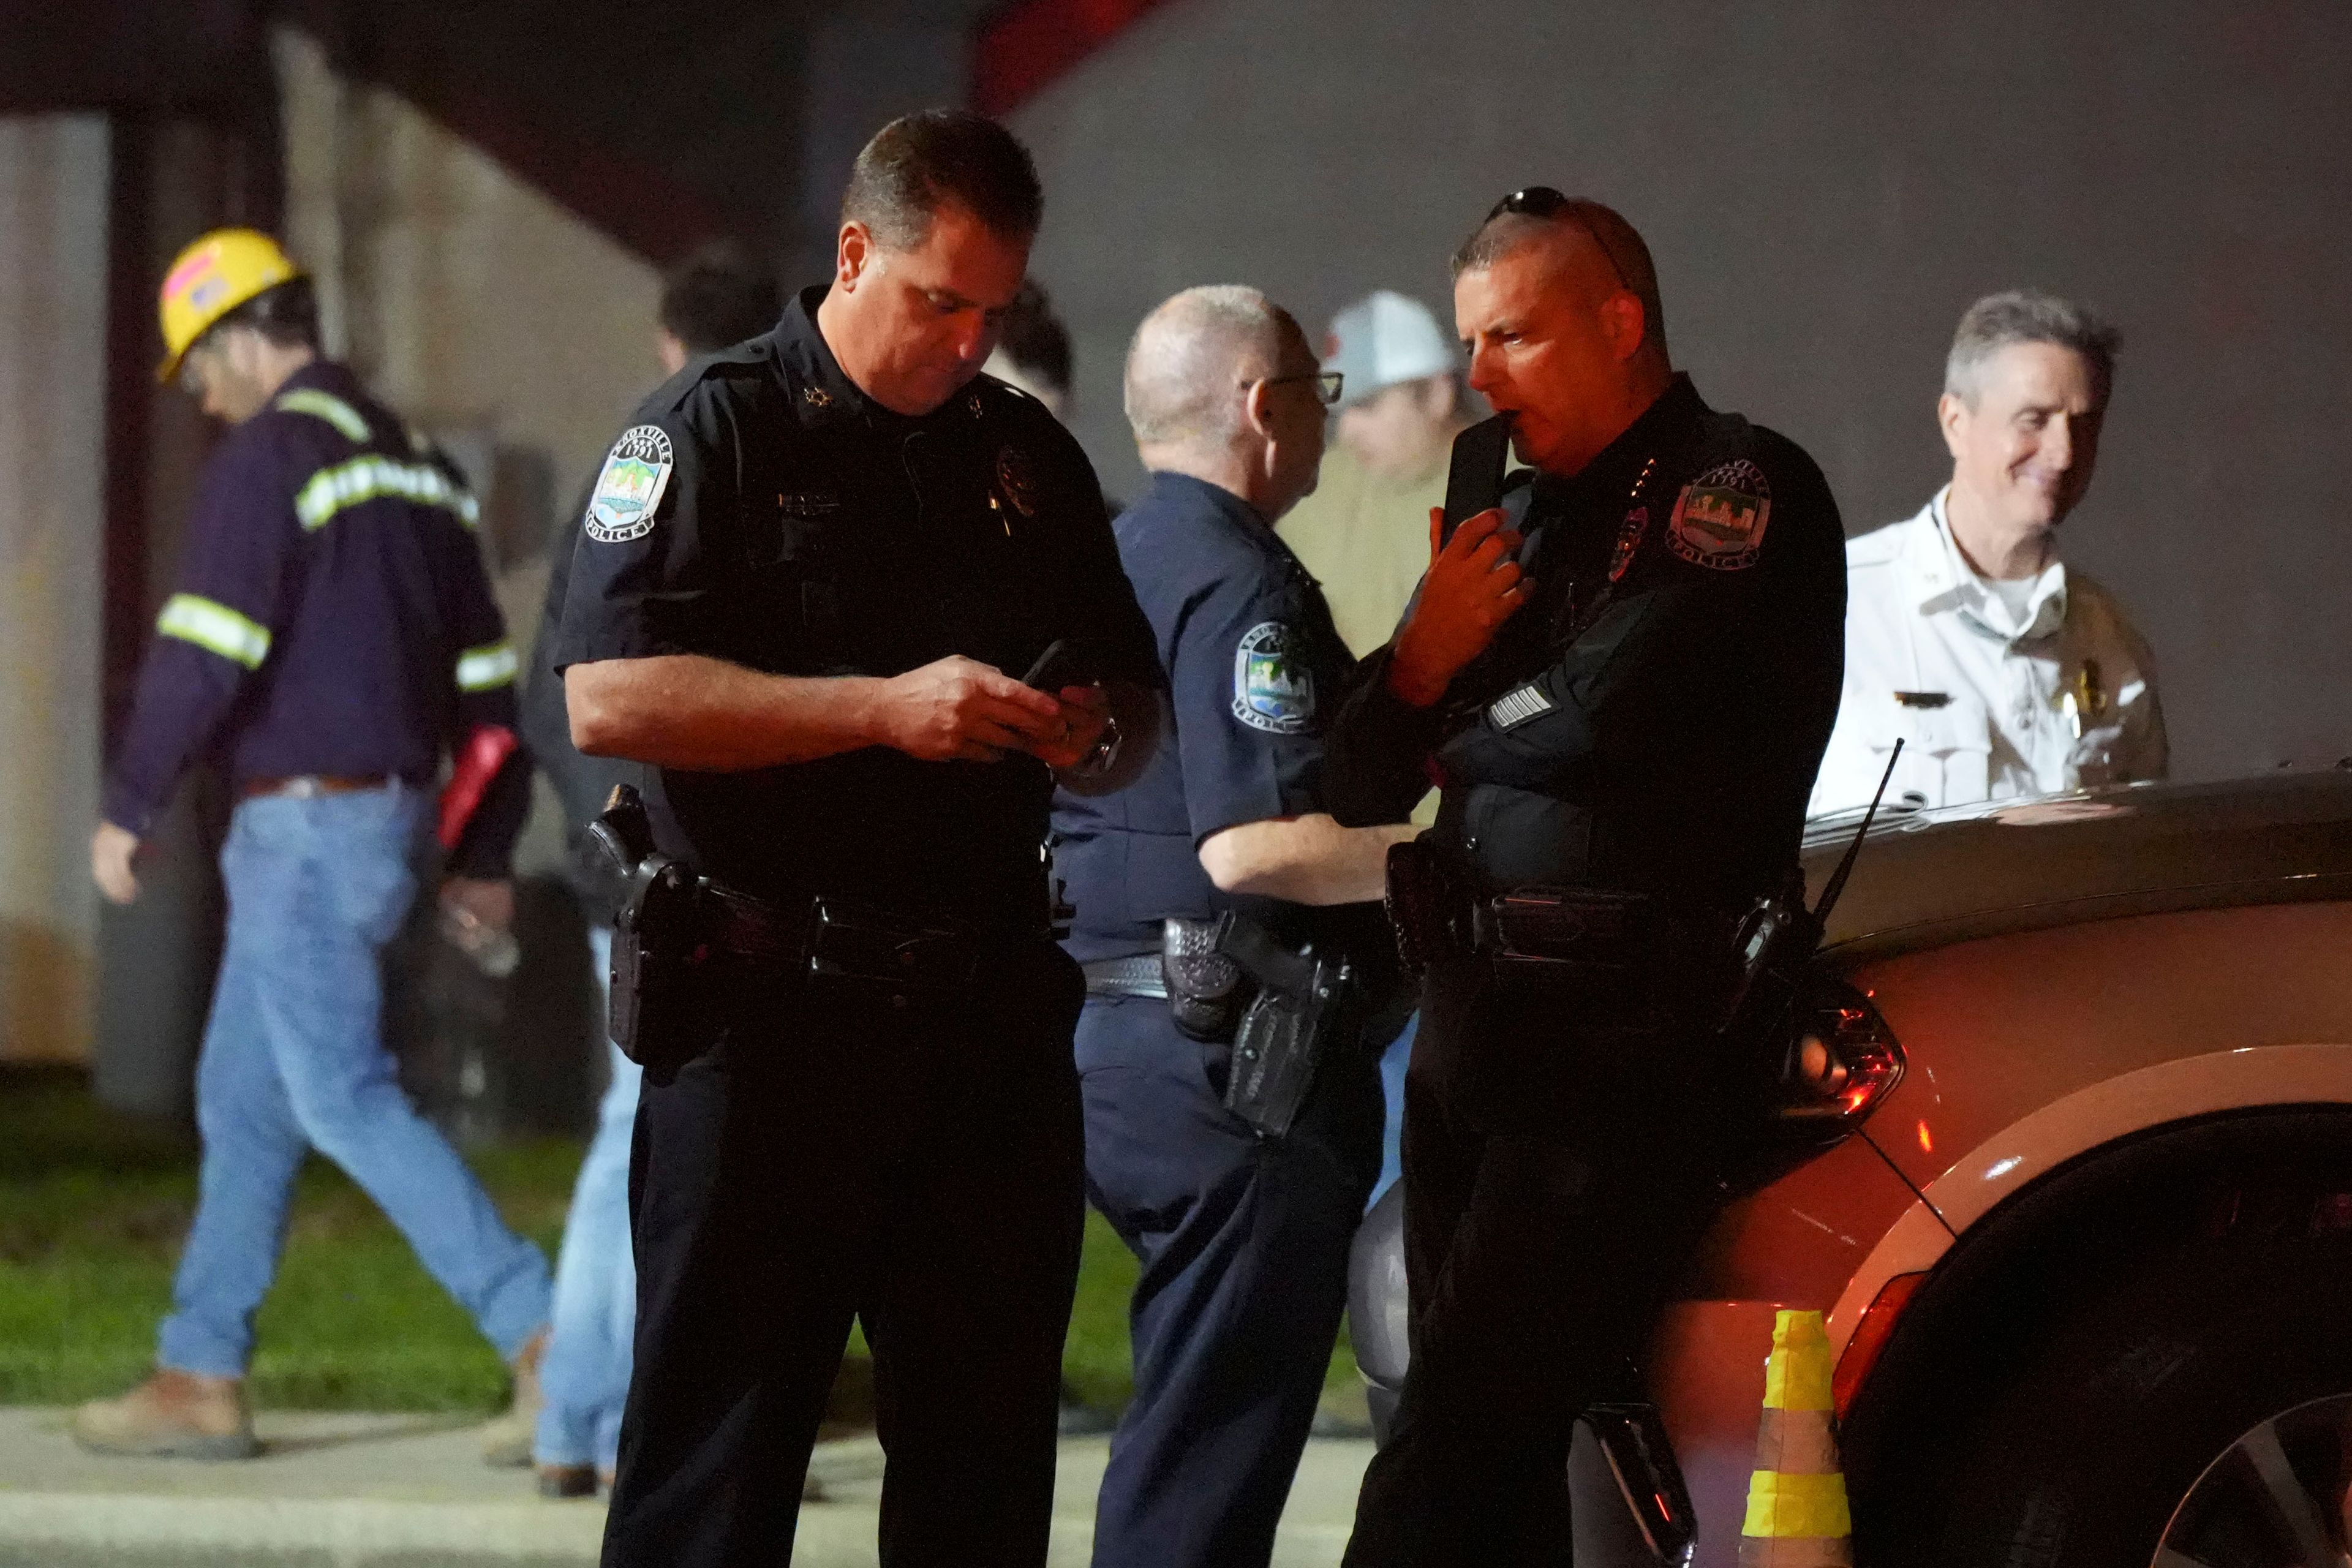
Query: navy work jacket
[{"x": 331, "y": 616}]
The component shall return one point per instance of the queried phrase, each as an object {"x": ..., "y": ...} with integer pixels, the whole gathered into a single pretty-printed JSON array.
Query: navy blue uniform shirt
[
  {"x": 1254, "y": 667},
  {"x": 762, "y": 510},
  {"x": 333, "y": 616}
]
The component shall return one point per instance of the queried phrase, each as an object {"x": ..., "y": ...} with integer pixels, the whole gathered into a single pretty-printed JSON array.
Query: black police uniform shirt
[
  {"x": 762, "y": 510},
  {"x": 1254, "y": 665},
  {"x": 1653, "y": 717},
  {"x": 332, "y": 616}
]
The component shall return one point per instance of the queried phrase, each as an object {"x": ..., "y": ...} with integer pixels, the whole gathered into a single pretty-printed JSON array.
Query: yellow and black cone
[{"x": 1797, "y": 1514}]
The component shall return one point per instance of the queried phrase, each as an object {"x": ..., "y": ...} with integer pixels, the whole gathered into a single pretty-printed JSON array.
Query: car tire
[{"x": 2119, "y": 1402}]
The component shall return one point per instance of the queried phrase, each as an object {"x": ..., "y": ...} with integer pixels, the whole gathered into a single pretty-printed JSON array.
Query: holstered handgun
[
  {"x": 1304, "y": 1002},
  {"x": 662, "y": 1013}
]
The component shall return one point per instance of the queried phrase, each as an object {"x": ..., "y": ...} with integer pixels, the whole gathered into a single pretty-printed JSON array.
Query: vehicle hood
[{"x": 1926, "y": 878}]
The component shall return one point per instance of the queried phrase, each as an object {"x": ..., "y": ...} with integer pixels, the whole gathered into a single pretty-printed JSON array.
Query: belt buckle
[{"x": 851, "y": 942}]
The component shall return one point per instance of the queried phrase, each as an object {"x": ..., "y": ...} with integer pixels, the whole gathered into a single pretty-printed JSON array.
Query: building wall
[
  {"x": 469, "y": 300},
  {"x": 488, "y": 315},
  {"x": 53, "y": 213},
  {"x": 1826, "y": 185}
]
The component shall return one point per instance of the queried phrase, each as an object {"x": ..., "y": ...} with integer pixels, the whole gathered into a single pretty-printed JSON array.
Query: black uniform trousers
[
  {"x": 1559, "y": 1164},
  {"x": 1244, "y": 1243},
  {"x": 916, "y": 1165}
]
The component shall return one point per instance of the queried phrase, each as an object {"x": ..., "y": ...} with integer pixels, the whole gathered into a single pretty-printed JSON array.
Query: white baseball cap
[{"x": 1383, "y": 338}]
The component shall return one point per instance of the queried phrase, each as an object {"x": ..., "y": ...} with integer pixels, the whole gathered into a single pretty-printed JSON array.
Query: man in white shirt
[{"x": 2001, "y": 670}]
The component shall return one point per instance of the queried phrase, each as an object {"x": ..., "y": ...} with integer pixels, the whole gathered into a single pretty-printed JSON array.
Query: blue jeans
[
  {"x": 294, "y": 1059},
  {"x": 1392, "y": 1066},
  {"x": 586, "y": 1374}
]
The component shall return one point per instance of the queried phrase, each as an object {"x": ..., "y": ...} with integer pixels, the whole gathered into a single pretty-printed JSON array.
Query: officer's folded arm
[{"x": 1308, "y": 859}]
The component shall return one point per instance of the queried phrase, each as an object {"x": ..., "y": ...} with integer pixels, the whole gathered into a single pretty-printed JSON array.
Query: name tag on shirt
[{"x": 1515, "y": 708}]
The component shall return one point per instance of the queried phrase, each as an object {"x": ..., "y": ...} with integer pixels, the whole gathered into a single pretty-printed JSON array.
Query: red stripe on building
[{"x": 1030, "y": 44}]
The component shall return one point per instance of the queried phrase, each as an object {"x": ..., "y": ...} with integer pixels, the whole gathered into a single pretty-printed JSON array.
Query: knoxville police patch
[
  {"x": 630, "y": 484},
  {"x": 1273, "y": 688},
  {"x": 1719, "y": 518}
]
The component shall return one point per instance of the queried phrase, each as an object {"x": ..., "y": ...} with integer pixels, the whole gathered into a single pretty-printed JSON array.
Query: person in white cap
[
  {"x": 2003, "y": 671},
  {"x": 1364, "y": 533}
]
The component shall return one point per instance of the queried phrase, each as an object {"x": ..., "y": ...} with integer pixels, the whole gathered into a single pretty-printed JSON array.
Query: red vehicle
[{"x": 2073, "y": 1184}]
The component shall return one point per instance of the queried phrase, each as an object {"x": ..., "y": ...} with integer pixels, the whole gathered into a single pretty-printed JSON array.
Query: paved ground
[{"x": 405, "y": 1491}]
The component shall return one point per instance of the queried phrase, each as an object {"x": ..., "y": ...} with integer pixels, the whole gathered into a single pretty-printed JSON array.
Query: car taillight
[
  {"x": 1842, "y": 1061},
  {"x": 1870, "y": 1337}
]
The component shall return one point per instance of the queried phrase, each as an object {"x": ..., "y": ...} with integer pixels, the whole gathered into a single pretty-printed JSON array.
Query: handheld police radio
[
  {"x": 1779, "y": 935},
  {"x": 1474, "y": 478}
]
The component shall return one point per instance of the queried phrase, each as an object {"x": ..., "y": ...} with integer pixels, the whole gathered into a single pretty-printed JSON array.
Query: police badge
[
  {"x": 1017, "y": 479},
  {"x": 1629, "y": 542},
  {"x": 630, "y": 484}
]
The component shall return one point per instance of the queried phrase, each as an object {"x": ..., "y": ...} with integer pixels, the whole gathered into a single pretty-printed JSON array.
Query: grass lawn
[{"x": 92, "y": 1211}]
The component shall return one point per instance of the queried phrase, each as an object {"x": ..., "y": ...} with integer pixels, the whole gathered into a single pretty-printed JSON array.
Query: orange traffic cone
[{"x": 1797, "y": 1515}]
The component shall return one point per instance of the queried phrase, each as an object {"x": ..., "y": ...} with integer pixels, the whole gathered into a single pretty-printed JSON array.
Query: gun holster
[
  {"x": 663, "y": 1015},
  {"x": 1305, "y": 1003},
  {"x": 1425, "y": 906}
]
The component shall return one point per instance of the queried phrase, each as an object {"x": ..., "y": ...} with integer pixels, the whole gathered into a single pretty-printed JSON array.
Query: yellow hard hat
[{"x": 211, "y": 277}]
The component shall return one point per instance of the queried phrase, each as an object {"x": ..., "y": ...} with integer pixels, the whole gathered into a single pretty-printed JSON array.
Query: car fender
[{"x": 1999, "y": 1167}]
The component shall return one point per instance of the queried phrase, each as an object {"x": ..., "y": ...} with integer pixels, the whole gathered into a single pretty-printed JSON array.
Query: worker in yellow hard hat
[{"x": 334, "y": 638}]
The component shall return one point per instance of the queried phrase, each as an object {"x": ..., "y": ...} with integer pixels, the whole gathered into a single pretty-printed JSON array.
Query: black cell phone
[
  {"x": 1474, "y": 483},
  {"x": 1063, "y": 663}
]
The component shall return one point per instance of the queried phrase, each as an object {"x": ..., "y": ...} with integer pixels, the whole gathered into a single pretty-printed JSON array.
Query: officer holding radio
[
  {"x": 1622, "y": 678},
  {"x": 804, "y": 573},
  {"x": 1235, "y": 964}
]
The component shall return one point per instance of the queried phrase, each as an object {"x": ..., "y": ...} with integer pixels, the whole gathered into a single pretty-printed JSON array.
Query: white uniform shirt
[{"x": 1988, "y": 702}]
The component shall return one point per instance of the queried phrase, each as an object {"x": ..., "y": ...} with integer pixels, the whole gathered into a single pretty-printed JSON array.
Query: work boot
[
  {"x": 560, "y": 1481},
  {"x": 173, "y": 1414},
  {"x": 506, "y": 1440}
]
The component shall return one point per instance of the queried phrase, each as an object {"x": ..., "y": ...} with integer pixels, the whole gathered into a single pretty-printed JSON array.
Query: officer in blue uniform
[
  {"x": 1243, "y": 1231},
  {"x": 333, "y": 638},
  {"x": 804, "y": 574}
]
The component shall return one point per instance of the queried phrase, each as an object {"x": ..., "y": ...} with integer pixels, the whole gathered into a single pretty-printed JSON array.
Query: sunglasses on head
[{"x": 1547, "y": 205}]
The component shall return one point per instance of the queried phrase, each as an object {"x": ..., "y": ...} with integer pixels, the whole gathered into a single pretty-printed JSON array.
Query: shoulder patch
[
  {"x": 630, "y": 484},
  {"x": 1274, "y": 689},
  {"x": 1721, "y": 516}
]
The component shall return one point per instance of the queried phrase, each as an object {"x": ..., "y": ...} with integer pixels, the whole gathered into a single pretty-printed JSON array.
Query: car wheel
[{"x": 2190, "y": 1414}]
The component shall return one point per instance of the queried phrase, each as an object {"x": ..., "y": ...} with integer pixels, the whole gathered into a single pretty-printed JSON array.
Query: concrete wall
[
  {"x": 53, "y": 212},
  {"x": 484, "y": 313},
  {"x": 1826, "y": 185}
]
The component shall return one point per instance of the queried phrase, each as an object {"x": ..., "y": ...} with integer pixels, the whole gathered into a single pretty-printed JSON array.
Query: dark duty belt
[
  {"x": 840, "y": 938},
  {"x": 1138, "y": 977}
]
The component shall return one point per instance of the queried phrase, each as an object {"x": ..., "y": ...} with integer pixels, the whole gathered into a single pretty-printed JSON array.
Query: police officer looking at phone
[
  {"x": 803, "y": 574},
  {"x": 1624, "y": 678},
  {"x": 1239, "y": 1211}
]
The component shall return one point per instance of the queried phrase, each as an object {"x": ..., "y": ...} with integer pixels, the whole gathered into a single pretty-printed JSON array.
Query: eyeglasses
[
  {"x": 1327, "y": 383},
  {"x": 1544, "y": 203}
]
